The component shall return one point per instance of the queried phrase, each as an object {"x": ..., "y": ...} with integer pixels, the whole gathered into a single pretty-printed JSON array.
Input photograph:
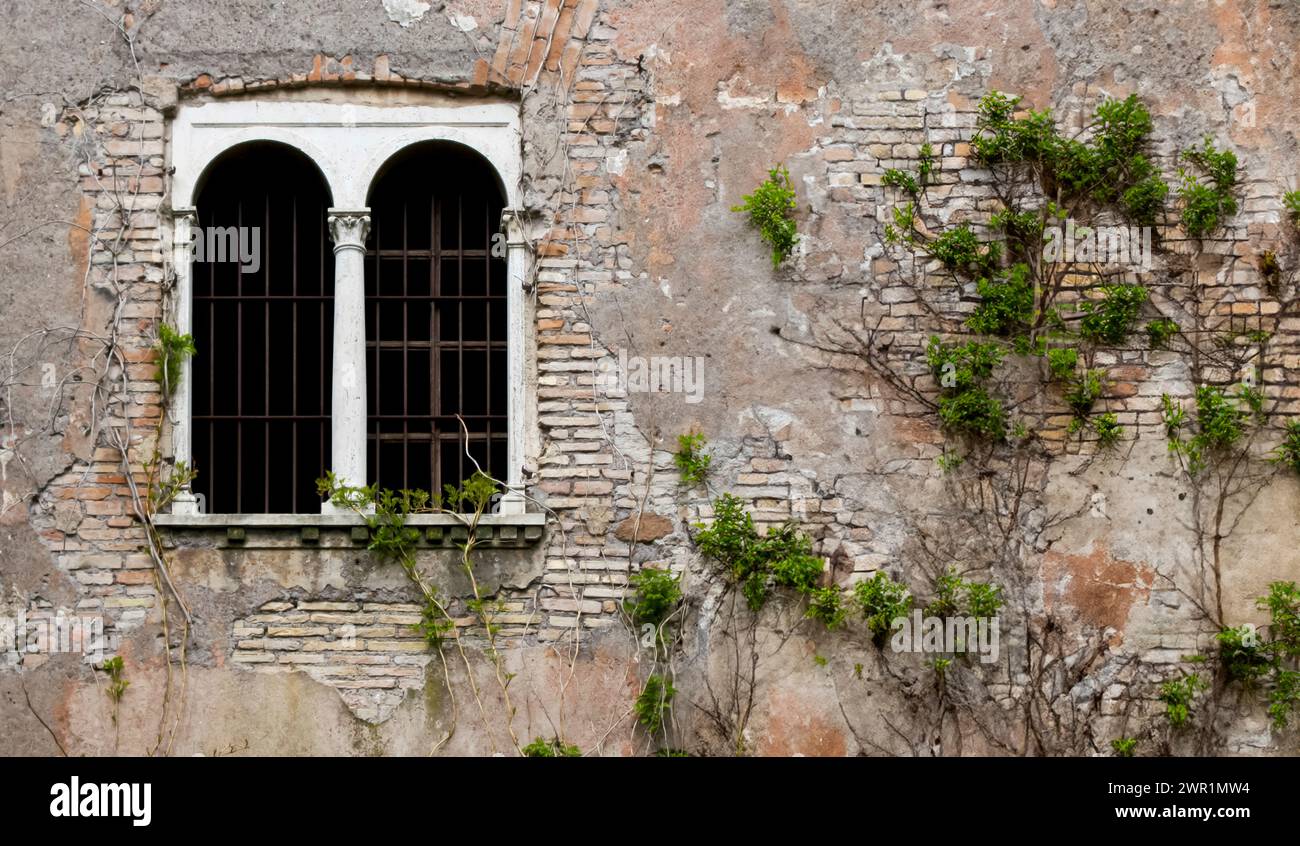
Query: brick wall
[{"x": 85, "y": 515}]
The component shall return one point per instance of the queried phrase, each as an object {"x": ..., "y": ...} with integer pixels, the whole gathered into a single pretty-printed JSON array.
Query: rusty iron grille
[
  {"x": 261, "y": 375},
  {"x": 436, "y": 341}
]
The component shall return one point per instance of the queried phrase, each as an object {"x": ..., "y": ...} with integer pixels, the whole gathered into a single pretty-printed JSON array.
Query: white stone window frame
[{"x": 349, "y": 143}]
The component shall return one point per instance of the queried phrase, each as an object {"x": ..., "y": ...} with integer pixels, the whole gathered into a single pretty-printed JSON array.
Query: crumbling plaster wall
[{"x": 640, "y": 134}]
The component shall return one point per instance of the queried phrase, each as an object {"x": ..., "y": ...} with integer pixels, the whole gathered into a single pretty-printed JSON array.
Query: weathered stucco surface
[{"x": 644, "y": 123}]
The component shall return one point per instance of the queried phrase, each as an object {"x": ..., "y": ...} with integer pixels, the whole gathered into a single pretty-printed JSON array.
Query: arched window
[
  {"x": 436, "y": 327},
  {"x": 383, "y": 261},
  {"x": 263, "y": 289}
]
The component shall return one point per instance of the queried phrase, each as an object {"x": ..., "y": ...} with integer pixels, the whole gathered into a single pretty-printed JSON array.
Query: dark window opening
[
  {"x": 435, "y": 321},
  {"x": 261, "y": 375}
]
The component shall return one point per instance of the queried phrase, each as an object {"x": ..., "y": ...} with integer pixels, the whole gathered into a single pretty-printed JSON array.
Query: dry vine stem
[{"x": 110, "y": 389}]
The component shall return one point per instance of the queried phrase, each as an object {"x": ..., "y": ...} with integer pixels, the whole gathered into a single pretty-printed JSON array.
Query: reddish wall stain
[
  {"x": 795, "y": 727},
  {"x": 1101, "y": 589}
]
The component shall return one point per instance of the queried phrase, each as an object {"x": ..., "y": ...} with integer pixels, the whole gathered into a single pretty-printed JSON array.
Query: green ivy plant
[
  {"x": 1291, "y": 201},
  {"x": 758, "y": 563},
  {"x": 1283, "y": 604},
  {"x": 691, "y": 459},
  {"x": 1006, "y": 305},
  {"x": 653, "y": 703},
  {"x": 173, "y": 350},
  {"x": 553, "y": 748},
  {"x": 1145, "y": 199},
  {"x": 386, "y": 514},
  {"x": 901, "y": 180},
  {"x": 1288, "y": 452},
  {"x": 965, "y": 404},
  {"x": 1062, "y": 362},
  {"x": 1270, "y": 656},
  {"x": 827, "y": 605},
  {"x": 881, "y": 600},
  {"x": 771, "y": 211},
  {"x": 905, "y": 181},
  {"x": 1207, "y": 190},
  {"x": 1110, "y": 319},
  {"x": 1242, "y": 656},
  {"x": 983, "y": 600},
  {"x": 164, "y": 489},
  {"x": 949, "y": 461},
  {"x": 1160, "y": 330},
  {"x": 657, "y": 593},
  {"x": 1219, "y": 423},
  {"x": 974, "y": 411},
  {"x": 1178, "y": 695},
  {"x": 948, "y": 589},
  {"x": 1018, "y": 311},
  {"x": 1108, "y": 429},
  {"x": 1124, "y": 747},
  {"x": 117, "y": 685},
  {"x": 1083, "y": 392},
  {"x": 955, "y": 596},
  {"x": 1111, "y": 167},
  {"x": 782, "y": 559},
  {"x": 117, "y": 682},
  {"x": 960, "y": 249},
  {"x": 1283, "y": 648},
  {"x": 1284, "y": 699}
]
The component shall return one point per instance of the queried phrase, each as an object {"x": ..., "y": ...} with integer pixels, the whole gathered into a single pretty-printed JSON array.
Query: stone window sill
[{"x": 335, "y": 530}]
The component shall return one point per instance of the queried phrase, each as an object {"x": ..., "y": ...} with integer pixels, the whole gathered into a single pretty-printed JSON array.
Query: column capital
[
  {"x": 514, "y": 223},
  {"x": 349, "y": 228},
  {"x": 185, "y": 223}
]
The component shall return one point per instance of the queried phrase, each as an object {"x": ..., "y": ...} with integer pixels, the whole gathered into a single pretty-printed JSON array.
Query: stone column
[
  {"x": 184, "y": 221},
  {"x": 349, "y": 228},
  {"x": 512, "y": 500}
]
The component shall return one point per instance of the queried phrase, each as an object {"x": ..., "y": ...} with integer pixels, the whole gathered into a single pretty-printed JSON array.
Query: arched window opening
[
  {"x": 262, "y": 321},
  {"x": 436, "y": 336}
]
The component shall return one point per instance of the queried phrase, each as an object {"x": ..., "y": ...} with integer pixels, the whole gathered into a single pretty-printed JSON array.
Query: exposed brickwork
[
  {"x": 372, "y": 652},
  {"x": 85, "y": 515},
  {"x": 877, "y": 130},
  {"x": 592, "y": 454}
]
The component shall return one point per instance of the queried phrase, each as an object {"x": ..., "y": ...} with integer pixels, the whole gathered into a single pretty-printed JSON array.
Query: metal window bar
[
  {"x": 394, "y": 462},
  {"x": 285, "y": 362}
]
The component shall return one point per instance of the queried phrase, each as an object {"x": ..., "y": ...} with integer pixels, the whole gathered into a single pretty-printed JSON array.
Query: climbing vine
[
  {"x": 1027, "y": 299},
  {"x": 770, "y": 209},
  {"x": 691, "y": 459},
  {"x": 387, "y": 514},
  {"x": 1025, "y": 327}
]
